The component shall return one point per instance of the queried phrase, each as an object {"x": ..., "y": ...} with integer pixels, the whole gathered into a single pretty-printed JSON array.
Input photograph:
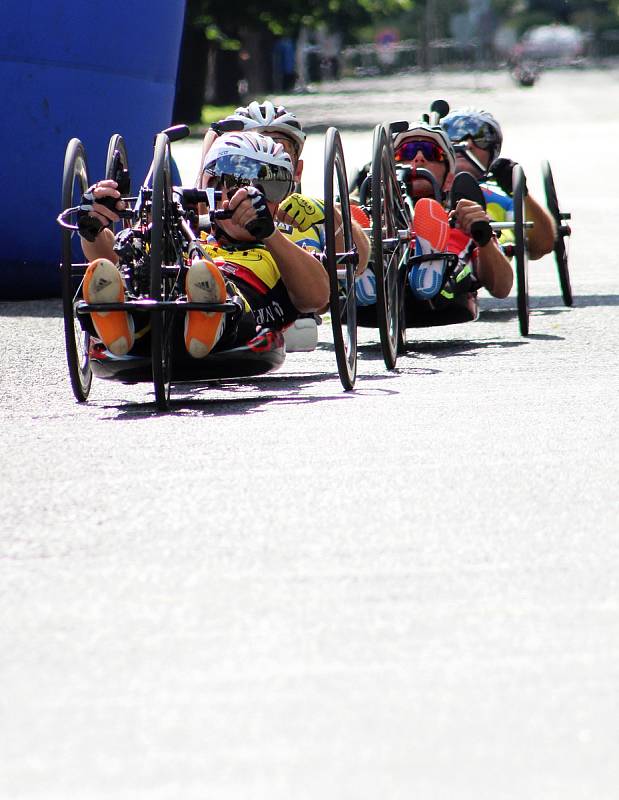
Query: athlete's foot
[
  {"x": 204, "y": 284},
  {"x": 104, "y": 284},
  {"x": 431, "y": 226}
]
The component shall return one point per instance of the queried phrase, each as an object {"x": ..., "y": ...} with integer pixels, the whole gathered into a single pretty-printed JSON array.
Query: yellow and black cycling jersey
[{"x": 252, "y": 271}]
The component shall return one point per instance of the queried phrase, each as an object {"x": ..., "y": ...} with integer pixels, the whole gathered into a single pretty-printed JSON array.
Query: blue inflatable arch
[{"x": 74, "y": 69}]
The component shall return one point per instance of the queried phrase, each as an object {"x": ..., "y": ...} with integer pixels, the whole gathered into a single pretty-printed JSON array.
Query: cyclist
[
  {"x": 478, "y": 139},
  {"x": 303, "y": 216},
  {"x": 426, "y": 162},
  {"x": 247, "y": 254}
]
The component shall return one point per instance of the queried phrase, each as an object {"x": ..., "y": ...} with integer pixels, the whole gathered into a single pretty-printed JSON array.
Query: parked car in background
[{"x": 552, "y": 45}]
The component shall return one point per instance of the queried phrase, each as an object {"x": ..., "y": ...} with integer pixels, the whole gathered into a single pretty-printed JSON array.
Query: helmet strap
[{"x": 475, "y": 162}]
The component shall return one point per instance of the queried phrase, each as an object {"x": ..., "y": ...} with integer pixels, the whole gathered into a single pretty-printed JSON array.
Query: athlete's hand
[
  {"x": 98, "y": 208},
  {"x": 473, "y": 220},
  {"x": 250, "y": 210},
  {"x": 502, "y": 171},
  {"x": 301, "y": 212}
]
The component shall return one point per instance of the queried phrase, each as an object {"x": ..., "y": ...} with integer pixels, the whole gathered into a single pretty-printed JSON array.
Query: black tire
[
  {"x": 521, "y": 255},
  {"x": 342, "y": 300},
  {"x": 161, "y": 322},
  {"x": 563, "y": 231},
  {"x": 77, "y": 341},
  {"x": 117, "y": 145},
  {"x": 385, "y": 245}
]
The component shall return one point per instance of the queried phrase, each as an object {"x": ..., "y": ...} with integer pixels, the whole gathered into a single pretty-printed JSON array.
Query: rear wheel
[
  {"x": 77, "y": 341},
  {"x": 161, "y": 253},
  {"x": 520, "y": 254},
  {"x": 340, "y": 260},
  {"x": 563, "y": 231}
]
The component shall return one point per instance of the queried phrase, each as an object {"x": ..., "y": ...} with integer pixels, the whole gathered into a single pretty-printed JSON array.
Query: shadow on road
[
  {"x": 444, "y": 348},
  {"x": 247, "y": 395}
]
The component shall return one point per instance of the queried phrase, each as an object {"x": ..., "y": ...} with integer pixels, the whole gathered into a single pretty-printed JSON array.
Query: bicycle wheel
[
  {"x": 340, "y": 263},
  {"x": 77, "y": 341},
  {"x": 563, "y": 231},
  {"x": 385, "y": 246},
  {"x": 520, "y": 251},
  {"x": 160, "y": 252}
]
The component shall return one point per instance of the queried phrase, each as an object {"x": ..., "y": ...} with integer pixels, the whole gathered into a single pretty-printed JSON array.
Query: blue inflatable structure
[{"x": 74, "y": 69}]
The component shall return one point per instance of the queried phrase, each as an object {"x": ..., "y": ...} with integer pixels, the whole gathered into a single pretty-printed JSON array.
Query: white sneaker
[{"x": 301, "y": 336}]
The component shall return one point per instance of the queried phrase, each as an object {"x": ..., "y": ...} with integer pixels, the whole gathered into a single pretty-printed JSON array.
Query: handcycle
[
  {"x": 155, "y": 247},
  {"x": 374, "y": 185},
  {"x": 518, "y": 249},
  {"x": 389, "y": 208}
]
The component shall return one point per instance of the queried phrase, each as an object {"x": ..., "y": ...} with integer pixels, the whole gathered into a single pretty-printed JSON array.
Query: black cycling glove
[
  {"x": 502, "y": 172},
  {"x": 263, "y": 226},
  {"x": 90, "y": 227}
]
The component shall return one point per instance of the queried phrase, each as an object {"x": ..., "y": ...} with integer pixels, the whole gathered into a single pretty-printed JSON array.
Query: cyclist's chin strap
[{"x": 476, "y": 163}]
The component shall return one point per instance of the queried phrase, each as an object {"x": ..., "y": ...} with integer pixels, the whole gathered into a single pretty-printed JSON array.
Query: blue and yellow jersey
[{"x": 500, "y": 208}]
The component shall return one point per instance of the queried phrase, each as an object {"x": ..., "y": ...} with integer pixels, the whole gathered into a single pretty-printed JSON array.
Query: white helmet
[
  {"x": 433, "y": 132},
  {"x": 252, "y": 158},
  {"x": 267, "y": 118}
]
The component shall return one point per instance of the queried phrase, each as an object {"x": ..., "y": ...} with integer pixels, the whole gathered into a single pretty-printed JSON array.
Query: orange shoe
[
  {"x": 104, "y": 284},
  {"x": 359, "y": 215},
  {"x": 204, "y": 284}
]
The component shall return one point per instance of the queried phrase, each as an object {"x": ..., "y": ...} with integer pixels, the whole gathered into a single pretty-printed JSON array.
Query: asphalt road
[{"x": 281, "y": 590}]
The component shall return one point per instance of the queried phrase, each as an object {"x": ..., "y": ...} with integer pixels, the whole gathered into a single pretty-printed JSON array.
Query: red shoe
[
  {"x": 431, "y": 224},
  {"x": 431, "y": 227},
  {"x": 103, "y": 284},
  {"x": 204, "y": 284}
]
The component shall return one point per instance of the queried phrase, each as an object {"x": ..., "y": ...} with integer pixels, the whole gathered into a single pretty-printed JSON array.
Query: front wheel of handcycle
[
  {"x": 340, "y": 260},
  {"x": 385, "y": 245},
  {"x": 77, "y": 340},
  {"x": 160, "y": 252},
  {"x": 117, "y": 165},
  {"x": 521, "y": 254},
  {"x": 562, "y": 231}
]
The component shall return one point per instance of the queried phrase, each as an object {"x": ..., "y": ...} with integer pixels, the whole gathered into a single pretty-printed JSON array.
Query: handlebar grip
[
  {"x": 177, "y": 132},
  {"x": 221, "y": 214},
  {"x": 194, "y": 196}
]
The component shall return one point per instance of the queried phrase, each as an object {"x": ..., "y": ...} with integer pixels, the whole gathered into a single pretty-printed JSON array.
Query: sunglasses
[
  {"x": 274, "y": 190},
  {"x": 429, "y": 150},
  {"x": 461, "y": 129}
]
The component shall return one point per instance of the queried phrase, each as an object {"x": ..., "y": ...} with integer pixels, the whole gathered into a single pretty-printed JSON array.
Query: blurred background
[{"x": 274, "y": 47}]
